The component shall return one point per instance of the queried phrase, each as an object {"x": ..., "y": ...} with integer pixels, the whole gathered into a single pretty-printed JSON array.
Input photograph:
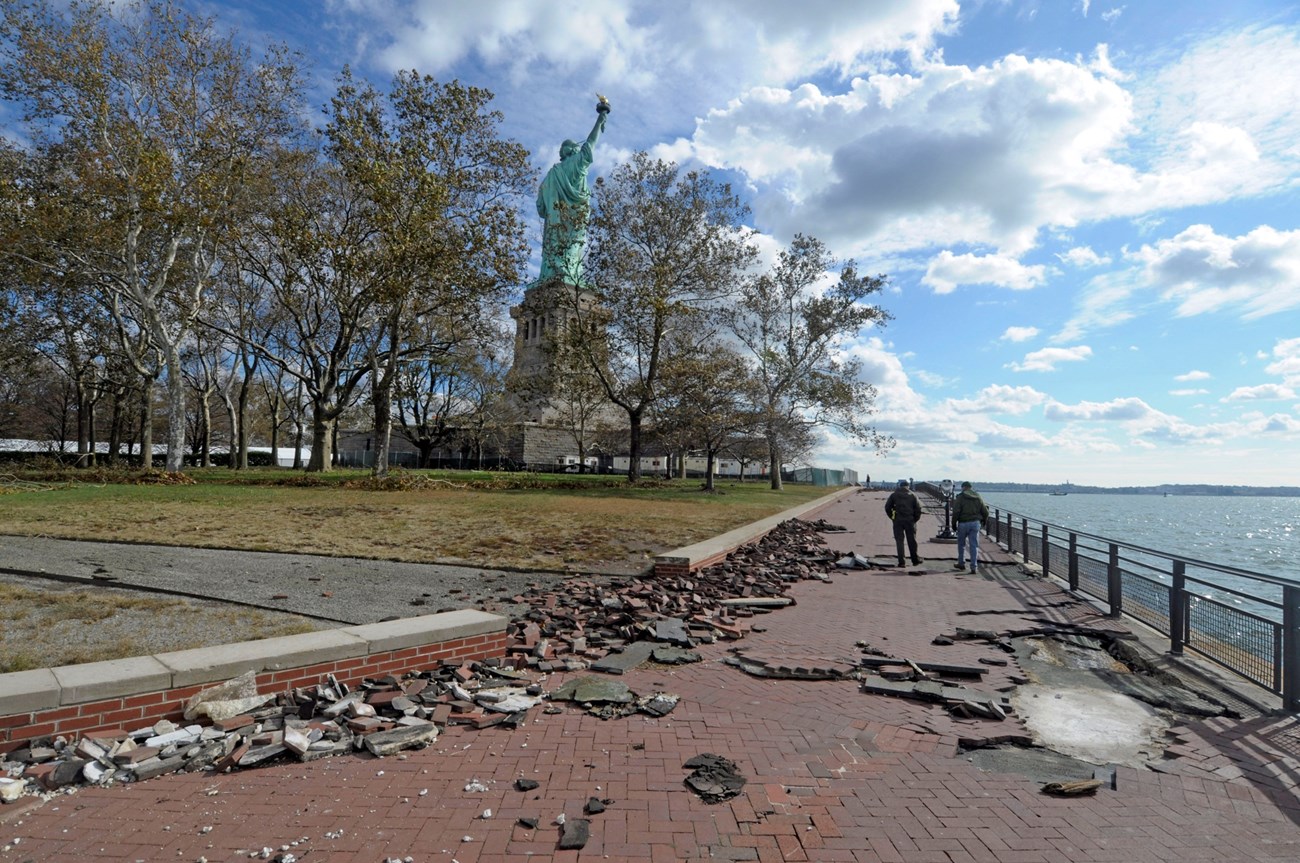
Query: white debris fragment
[
  {"x": 559, "y": 819},
  {"x": 475, "y": 786},
  {"x": 487, "y": 813}
]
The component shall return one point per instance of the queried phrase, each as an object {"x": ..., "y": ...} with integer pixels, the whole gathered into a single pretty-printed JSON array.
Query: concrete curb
[
  {"x": 710, "y": 551},
  {"x": 74, "y": 698}
]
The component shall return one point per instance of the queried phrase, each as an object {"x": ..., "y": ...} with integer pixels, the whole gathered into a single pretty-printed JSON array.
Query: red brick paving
[{"x": 834, "y": 774}]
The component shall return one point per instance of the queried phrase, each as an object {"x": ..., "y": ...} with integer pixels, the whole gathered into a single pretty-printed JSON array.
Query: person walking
[
  {"x": 969, "y": 513},
  {"x": 905, "y": 510}
]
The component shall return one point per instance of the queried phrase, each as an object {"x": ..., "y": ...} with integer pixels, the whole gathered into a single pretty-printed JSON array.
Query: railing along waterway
[{"x": 1246, "y": 622}]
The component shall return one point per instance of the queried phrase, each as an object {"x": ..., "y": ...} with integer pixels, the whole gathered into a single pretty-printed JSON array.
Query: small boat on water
[{"x": 1061, "y": 492}]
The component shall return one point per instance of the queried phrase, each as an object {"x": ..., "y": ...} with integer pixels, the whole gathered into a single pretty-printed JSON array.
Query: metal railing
[{"x": 1246, "y": 622}]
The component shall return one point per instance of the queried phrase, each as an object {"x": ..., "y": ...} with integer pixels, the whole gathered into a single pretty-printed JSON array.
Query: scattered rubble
[
  {"x": 1072, "y": 788},
  {"x": 713, "y": 777},
  {"x": 608, "y": 625},
  {"x": 589, "y": 621}
]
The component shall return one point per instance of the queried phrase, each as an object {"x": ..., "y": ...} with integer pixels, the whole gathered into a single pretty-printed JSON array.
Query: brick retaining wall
[{"x": 125, "y": 695}]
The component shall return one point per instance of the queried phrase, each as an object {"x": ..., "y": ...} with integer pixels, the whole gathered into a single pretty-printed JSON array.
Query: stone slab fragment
[
  {"x": 212, "y": 664},
  {"x": 389, "y": 742},
  {"x": 113, "y": 678},
  {"x": 631, "y": 656},
  {"x": 427, "y": 629},
  {"x": 28, "y": 691},
  {"x": 938, "y": 667}
]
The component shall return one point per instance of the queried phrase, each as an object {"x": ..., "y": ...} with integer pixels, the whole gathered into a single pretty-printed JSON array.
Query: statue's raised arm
[{"x": 562, "y": 204}]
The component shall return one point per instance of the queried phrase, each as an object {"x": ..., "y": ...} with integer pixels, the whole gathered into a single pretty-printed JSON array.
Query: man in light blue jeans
[{"x": 969, "y": 513}]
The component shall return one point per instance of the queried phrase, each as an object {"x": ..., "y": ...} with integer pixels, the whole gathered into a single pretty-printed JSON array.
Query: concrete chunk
[{"x": 407, "y": 737}]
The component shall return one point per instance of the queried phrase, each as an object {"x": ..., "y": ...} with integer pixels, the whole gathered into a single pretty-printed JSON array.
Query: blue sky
[{"x": 1089, "y": 212}]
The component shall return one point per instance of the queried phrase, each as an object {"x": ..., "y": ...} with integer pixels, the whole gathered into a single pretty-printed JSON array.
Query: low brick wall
[
  {"x": 684, "y": 561},
  {"x": 83, "y": 700}
]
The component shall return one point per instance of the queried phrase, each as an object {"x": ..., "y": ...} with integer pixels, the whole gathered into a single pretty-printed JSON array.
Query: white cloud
[
  {"x": 1193, "y": 375},
  {"x": 1287, "y": 364},
  {"x": 1263, "y": 392},
  {"x": 998, "y": 399},
  {"x": 1125, "y": 409},
  {"x": 930, "y": 379},
  {"x": 1019, "y": 334},
  {"x": 1275, "y": 424},
  {"x": 1047, "y": 359},
  {"x": 1254, "y": 275},
  {"x": 1188, "y": 392},
  {"x": 1082, "y": 256},
  {"x": 1105, "y": 301},
  {"x": 946, "y": 154},
  {"x": 1226, "y": 90},
  {"x": 946, "y": 271}
]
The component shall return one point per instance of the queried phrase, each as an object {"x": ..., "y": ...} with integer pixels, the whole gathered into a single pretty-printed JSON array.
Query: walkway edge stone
[
  {"x": 74, "y": 699},
  {"x": 710, "y": 551}
]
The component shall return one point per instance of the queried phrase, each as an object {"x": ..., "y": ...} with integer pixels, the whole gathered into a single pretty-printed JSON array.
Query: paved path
[
  {"x": 833, "y": 774},
  {"x": 346, "y": 590}
]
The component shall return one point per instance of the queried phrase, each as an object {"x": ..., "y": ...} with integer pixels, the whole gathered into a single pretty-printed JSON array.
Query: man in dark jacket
[
  {"x": 969, "y": 512},
  {"x": 905, "y": 510}
]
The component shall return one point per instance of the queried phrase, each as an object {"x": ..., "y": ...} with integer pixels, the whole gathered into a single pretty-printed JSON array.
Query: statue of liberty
[{"x": 562, "y": 205}]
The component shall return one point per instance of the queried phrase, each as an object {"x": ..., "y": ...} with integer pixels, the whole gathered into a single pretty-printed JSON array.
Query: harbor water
[{"x": 1259, "y": 534}]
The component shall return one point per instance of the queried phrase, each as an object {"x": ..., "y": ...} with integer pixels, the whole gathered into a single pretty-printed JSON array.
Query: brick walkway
[{"x": 834, "y": 774}]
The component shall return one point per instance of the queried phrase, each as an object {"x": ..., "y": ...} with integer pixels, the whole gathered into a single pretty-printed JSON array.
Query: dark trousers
[{"x": 905, "y": 529}]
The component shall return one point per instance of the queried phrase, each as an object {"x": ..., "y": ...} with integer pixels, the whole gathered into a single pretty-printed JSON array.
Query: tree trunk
[
  {"x": 634, "y": 445},
  {"x": 83, "y": 424},
  {"x": 322, "y": 441},
  {"x": 239, "y": 458},
  {"x": 92, "y": 433},
  {"x": 232, "y": 419},
  {"x": 774, "y": 465},
  {"x": 708, "y": 471},
  {"x": 383, "y": 423},
  {"x": 298, "y": 430},
  {"x": 115, "y": 428},
  {"x": 297, "y": 444},
  {"x": 275, "y": 428},
  {"x": 175, "y": 413},
  {"x": 146, "y": 425},
  {"x": 205, "y": 433}
]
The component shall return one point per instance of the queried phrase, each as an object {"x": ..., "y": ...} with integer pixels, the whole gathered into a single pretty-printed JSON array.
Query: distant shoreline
[{"x": 1189, "y": 490}]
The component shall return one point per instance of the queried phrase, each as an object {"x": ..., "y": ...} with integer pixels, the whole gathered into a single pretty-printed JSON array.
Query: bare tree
[
  {"x": 708, "y": 397},
  {"x": 793, "y": 322},
  {"x": 662, "y": 246},
  {"x": 440, "y": 188},
  {"x": 164, "y": 116}
]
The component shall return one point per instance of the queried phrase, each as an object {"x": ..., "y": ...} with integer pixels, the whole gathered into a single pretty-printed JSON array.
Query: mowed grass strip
[
  {"x": 49, "y": 624},
  {"x": 546, "y": 522}
]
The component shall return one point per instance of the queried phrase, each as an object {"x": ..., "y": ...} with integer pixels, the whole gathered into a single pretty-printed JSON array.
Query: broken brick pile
[
  {"x": 607, "y": 625},
  {"x": 589, "y": 618}
]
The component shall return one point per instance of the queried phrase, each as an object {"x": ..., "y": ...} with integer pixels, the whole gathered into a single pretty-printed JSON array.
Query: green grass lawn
[{"x": 519, "y": 520}]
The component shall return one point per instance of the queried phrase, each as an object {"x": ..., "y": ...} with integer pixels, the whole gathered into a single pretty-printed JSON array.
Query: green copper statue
[{"x": 562, "y": 204}]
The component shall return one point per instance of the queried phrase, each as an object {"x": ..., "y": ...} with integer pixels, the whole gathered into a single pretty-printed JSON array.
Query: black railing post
[
  {"x": 1046, "y": 560},
  {"x": 1178, "y": 609},
  {"x": 1008, "y": 543},
  {"x": 1074, "y": 561},
  {"x": 1290, "y": 658},
  {"x": 1114, "y": 588},
  {"x": 1024, "y": 538}
]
